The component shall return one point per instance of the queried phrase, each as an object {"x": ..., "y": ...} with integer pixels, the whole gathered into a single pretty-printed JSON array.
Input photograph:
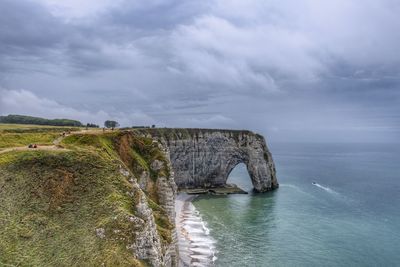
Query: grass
[
  {"x": 17, "y": 140},
  {"x": 9, "y": 126},
  {"x": 135, "y": 152},
  {"x": 17, "y": 135},
  {"x": 52, "y": 202}
]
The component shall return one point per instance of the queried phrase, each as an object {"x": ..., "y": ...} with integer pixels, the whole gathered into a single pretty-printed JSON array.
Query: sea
[{"x": 337, "y": 205}]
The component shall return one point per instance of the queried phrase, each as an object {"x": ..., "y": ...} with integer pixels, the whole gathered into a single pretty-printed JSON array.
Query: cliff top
[
  {"x": 187, "y": 130},
  {"x": 183, "y": 133}
]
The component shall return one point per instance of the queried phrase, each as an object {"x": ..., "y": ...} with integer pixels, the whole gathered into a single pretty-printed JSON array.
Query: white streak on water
[{"x": 327, "y": 189}]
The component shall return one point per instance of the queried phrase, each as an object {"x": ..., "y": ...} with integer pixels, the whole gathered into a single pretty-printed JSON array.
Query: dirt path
[
  {"x": 58, "y": 140},
  {"x": 45, "y": 148}
]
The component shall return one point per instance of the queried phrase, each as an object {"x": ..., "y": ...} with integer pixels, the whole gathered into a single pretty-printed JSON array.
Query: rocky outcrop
[
  {"x": 147, "y": 245},
  {"x": 204, "y": 158},
  {"x": 149, "y": 171}
]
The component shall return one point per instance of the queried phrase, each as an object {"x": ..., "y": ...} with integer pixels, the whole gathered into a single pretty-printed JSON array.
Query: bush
[
  {"x": 92, "y": 125},
  {"x": 111, "y": 124}
]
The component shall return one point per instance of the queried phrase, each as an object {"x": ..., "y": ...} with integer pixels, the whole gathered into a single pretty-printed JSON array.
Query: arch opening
[{"x": 240, "y": 176}]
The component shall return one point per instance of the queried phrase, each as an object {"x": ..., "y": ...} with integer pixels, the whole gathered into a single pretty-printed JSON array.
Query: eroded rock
[{"x": 204, "y": 158}]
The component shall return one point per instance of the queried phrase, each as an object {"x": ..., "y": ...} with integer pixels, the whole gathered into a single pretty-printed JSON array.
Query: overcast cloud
[{"x": 302, "y": 70}]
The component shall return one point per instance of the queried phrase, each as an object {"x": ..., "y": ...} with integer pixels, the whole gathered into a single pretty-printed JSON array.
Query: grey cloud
[
  {"x": 305, "y": 70},
  {"x": 154, "y": 14},
  {"x": 27, "y": 26}
]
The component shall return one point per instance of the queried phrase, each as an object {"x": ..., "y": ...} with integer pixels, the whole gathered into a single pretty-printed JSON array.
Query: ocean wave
[{"x": 194, "y": 236}]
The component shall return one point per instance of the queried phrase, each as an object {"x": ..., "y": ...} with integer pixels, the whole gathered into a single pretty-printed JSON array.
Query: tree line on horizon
[{"x": 23, "y": 119}]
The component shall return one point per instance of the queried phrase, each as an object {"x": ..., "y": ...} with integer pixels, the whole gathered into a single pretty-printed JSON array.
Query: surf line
[{"x": 196, "y": 246}]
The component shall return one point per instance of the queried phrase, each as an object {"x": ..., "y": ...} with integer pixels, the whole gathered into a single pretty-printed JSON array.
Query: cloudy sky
[{"x": 304, "y": 70}]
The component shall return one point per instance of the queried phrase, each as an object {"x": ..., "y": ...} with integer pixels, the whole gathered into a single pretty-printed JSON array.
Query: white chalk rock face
[{"x": 205, "y": 158}]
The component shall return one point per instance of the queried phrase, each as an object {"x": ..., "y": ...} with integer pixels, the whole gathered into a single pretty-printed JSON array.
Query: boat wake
[{"x": 327, "y": 189}]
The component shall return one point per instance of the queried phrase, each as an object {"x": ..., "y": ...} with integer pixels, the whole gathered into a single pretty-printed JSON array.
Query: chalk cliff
[
  {"x": 148, "y": 166},
  {"x": 204, "y": 158}
]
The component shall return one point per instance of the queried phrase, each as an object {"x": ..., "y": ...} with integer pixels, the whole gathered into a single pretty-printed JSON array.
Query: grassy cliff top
[
  {"x": 186, "y": 133},
  {"x": 188, "y": 130},
  {"x": 72, "y": 206},
  {"x": 16, "y": 135}
]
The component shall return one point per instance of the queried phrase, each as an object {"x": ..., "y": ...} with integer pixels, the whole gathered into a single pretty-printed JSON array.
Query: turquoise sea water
[{"x": 351, "y": 217}]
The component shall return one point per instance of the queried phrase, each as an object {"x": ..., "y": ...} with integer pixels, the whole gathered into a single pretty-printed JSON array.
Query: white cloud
[
  {"x": 26, "y": 103},
  {"x": 215, "y": 50}
]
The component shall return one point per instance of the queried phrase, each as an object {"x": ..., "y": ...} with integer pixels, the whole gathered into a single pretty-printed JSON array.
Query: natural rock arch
[{"x": 204, "y": 158}]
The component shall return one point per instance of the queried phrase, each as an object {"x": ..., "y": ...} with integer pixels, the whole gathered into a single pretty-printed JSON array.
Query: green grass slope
[
  {"x": 136, "y": 153},
  {"x": 52, "y": 204}
]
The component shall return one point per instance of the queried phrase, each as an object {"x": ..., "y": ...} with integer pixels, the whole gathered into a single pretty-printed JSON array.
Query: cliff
[
  {"x": 107, "y": 199},
  {"x": 204, "y": 158},
  {"x": 96, "y": 200}
]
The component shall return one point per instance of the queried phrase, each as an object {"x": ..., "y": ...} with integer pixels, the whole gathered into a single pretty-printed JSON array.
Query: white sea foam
[{"x": 197, "y": 247}]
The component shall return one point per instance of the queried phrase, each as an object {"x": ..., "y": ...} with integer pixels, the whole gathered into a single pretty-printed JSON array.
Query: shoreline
[{"x": 196, "y": 247}]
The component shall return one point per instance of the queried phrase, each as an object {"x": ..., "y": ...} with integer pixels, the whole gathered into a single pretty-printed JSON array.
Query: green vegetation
[
  {"x": 16, "y": 140},
  {"x": 14, "y": 135},
  {"x": 111, "y": 124},
  {"x": 137, "y": 153},
  {"x": 21, "y": 119},
  {"x": 54, "y": 201},
  {"x": 10, "y": 127},
  {"x": 52, "y": 204},
  {"x": 92, "y": 125}
]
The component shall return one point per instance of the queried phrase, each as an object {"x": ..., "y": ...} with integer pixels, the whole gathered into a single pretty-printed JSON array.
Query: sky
[{"x": 294, "y": 71}]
